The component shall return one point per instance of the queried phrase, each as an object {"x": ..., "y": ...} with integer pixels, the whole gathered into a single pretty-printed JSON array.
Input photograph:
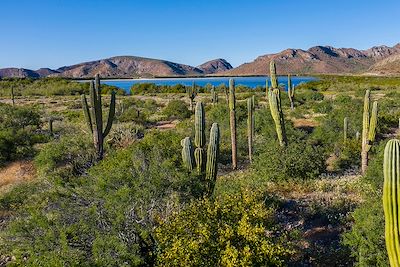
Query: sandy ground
[{"x": 14, "y": 173}]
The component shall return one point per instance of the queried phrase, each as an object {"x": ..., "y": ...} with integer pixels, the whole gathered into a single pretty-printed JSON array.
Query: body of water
[{"x": 246, "y": 81}]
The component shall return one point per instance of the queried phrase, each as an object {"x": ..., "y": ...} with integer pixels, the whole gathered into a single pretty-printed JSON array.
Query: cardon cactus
[
  {"x": 12, "y": 96},
  {"x": 94, "y": 116},
  {"x": 232, "y": 119},
  {"x": 345, "y": 128},
  {"x": 250, "y": 125},
  {"x": 200, "y": 136},
  {"x": 274, "y": 100},
  {"x": 187, "y": 153},
  {"x": 214, "y": 95},
  {"x": 272, "y": 71},
  {"x": 290, "y": 92},
  {"x": 212, "y": 159},
  {"x": 191, "y": 92},
  {"x": 369, "y": 129},
  {"x": 391, "y": 200}
]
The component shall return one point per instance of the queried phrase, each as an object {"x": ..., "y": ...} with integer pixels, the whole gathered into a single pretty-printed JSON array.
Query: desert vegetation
[{"x": 200, "y": 176}]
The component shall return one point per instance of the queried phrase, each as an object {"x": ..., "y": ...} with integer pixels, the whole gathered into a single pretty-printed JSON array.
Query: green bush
[
  {"x": 176, "y": 109},
  {"x": 299, "y": 160},
  {"x": 222, "y": 232}
]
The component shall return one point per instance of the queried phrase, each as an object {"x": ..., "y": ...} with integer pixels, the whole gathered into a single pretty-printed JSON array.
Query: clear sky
[{"x": 55, "y": 33}]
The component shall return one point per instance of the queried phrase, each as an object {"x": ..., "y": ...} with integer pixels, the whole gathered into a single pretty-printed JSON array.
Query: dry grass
[{"x": 15, "y": 173}]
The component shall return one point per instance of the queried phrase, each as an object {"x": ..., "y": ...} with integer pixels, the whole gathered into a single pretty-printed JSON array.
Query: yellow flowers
[{"x": 229, "y": 231}]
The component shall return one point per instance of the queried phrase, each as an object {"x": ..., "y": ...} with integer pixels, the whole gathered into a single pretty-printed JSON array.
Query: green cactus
[
  {"x": 391, "y": 199},
  {"x": 200, "y": 136},
  {"x": 275, "y": 106},
  {"x": 290, "y": 92},
  {"x": 94, "y": 116},
  {"x": 369, "y": 129},
  {"x": 12, "y": 96},
  {"x": 214, "y": 95},
  {"x": 187, "y": 153},
  {"x": 272, "y": 71},
  {"x": 232, "y": 120},
  {"x": 250, "y": 126},
  {"x": 212, "y": 159},
  {"x": 191, "y": 92},
  {"x": 345, "y": 128}
]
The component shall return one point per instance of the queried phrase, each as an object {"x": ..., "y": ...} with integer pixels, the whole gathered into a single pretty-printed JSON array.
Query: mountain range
[{"x": 378, "y": 60}]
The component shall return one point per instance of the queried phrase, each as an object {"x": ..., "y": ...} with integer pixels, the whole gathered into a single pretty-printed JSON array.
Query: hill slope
[
  {"x": 215, "y": 66},
  {"x": 387, "y": 66},
  {"x": 318, "y": 59}
]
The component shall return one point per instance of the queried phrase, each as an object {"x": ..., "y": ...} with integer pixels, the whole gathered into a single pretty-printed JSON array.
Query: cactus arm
[
  {"x": 86, "y": 112},
  {"x": 212, "y": 158},
  {"x": 365, "y": 131},
  {"x": 372, "y": 125},
  {"x": 391, "y": 200},
  {"x": 111, "y": 115},
  {"x": 200, "y": 136},
  {"x": 99, "y": 106},
  {"x": 187, "y": 153},
  {"x": 345, "y": 128}
]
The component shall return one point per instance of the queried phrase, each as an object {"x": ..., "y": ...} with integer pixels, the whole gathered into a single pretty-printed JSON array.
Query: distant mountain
[
  {"x": 18, "y": 73},
  {"x": 317, "y": 60},
  {"x": 215, "y": 66},
  {"x": 387, "y": 66},
  {"x": 123, "y": 67}
]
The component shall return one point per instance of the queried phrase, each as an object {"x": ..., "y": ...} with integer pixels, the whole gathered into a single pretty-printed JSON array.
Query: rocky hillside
[
  {"x": 318, "y": 59},
  {"x": 215, "y": 66},
  {"x": 123, "y": 67},
  {"x": 387, "y": 66}
]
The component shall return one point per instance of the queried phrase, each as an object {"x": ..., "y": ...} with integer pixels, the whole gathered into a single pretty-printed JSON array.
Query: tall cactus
[
  {"x": 212, "y": 159},
  {"x": 369, "y": 129},
  {"x": 345, "y": 128},
  {"x": 275, "y": 106},
  {"x": 232, "y": 120},
  {"x": 290, "y": 92},
  {"x": 200, "y": 136},
  {"x": 214, "y": 95},
  {"x": 250, "y": 125},
  {"x": 94, "y": 116},
  {"x": 391, "y": 200},
  {"x": 12, "y": 96},
  {"x": 187, "y": 153},
  {"x": 191, "y": 92},
  {"x": 272, "y": 71}
]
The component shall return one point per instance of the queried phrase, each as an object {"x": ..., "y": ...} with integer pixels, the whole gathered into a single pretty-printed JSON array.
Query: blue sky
[{"x": 55, "y": 33}]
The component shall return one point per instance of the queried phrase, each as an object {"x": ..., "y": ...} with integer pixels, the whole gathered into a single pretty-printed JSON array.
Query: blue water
[{"x": 246, "y": 81}]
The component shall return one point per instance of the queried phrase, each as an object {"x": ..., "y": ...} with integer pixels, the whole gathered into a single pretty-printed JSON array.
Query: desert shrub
[
  {"x": 105, "y": 217},
  {"x": 176, "y": 109},
  {"x": 66, "y": 157},
  {"x": 18, "y": 132},
  {"x": 366, "y": 239},
  {"x": 309, "y": 95},
  {"x": 348, "y": 154},
  {"x": 299, "y": 160},
  {"x": 222, "y": 232},
  {"x": 131, "y": 114}
]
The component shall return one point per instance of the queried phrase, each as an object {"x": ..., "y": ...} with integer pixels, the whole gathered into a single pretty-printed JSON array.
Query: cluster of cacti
[
  {"x": 290, "y": 91},
  {"x": 275, "y": 106},
  {"x": 214, "y": 95},
  {"x": 232, "y": 120},
  {"x": 208, "y": 170},
  {"x": 345, "y": 128},
  {"x": 191, "y": 92},
  {"x": 12, "y": 96},
  {"x": 94, "y": 116},
  {"x": 391, "y": 200},
  {"x": 250, "y": 125},
  {"x": 369, "y": 129}
]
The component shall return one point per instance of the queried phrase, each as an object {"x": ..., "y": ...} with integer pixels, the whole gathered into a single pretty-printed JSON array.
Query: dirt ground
[{"x": 15, "y": 173}]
